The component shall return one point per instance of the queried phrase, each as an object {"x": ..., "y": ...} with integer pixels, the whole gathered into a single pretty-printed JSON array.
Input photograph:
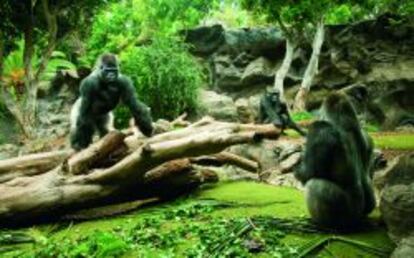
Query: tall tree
[
  {"x": 297, "y": 19},
  {"x": 42, "y": 24},
  {"x": 278, "y": 12},
  {"x": 308, "y": 17}
]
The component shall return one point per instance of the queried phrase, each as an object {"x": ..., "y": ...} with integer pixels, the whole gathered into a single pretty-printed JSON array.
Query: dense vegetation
[{"x": 132, "y": 28}]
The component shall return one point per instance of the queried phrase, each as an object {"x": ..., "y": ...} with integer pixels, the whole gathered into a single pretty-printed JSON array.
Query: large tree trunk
[
  {"x": 311, "y": 70},
  {"x": 112, "y": 169},
  {"x": 284, "y": 69}
]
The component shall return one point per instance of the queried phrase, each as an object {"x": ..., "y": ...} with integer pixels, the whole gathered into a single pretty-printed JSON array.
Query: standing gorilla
[
  {"x": 336, "y": 166},
  {"x": 274, "y": 110},
  {"x": 100, "y": 93}
]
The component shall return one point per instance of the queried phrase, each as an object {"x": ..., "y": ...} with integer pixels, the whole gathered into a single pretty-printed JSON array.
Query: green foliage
[
  {"x": 231, "y": 14},
  {"x": 18, "y": 17},
  {"x": 164, "y": 235},
  {"x": 13, "y": 75},
  {"x": 299, "y": 14},
  {"x": 131, "y": 22},
  {"x": 13, "y": 72},
  {"x": 165, "y": 17},
  {"x": 57, "y": 62},
  {"x": 376, "y": 8},
  {"x": 341, "y": 14},
  {"x": 115, "y": 26},
  {"x": 98, "y": 244},
  {"x": 166, "y": 76}
]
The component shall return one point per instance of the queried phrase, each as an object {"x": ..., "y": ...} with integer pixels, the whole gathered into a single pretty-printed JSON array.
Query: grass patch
[
  {"x": 233, "y": 219},
  {"x": 396, "y": 141},
  {"x": 302, "y": 116}
]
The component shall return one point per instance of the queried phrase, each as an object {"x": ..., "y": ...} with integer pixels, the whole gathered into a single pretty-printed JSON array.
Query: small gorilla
[
  {"x": 274, "y": 110},
  {"x": 336, "y": 166},
  {"x": 100, "y": 93}
]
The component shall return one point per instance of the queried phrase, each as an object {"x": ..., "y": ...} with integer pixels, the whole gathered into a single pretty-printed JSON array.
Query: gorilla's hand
[
  {"x": 146, "y": 128},
  {"x": 258, "y": 137}
]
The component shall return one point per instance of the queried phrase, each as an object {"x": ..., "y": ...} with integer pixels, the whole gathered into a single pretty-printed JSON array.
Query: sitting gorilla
[
  {"x": 100, "y": 93},
  {"x": 336, "y": 166},
  {"x": 274, "y": 110}
]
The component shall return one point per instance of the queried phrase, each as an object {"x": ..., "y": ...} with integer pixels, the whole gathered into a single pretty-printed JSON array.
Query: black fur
[
  {"x": 98, "y": 97},
  {"x": 336, "y": 166},
  {"x": 274, "y": 110}
]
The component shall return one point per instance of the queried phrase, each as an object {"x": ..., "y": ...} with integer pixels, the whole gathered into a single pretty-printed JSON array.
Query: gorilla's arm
[
  {"x": 139, "y": 110},
  {"x": 81, "y": 136},
  {"x": 277, "y": 114},
  {"x": 262, "y": 114},
  {"x": 369, "y": 195},
  {"x": 287, "y": 120},
  {"x": 321, "y": 149},
  {"x": 86, "y": 93}
]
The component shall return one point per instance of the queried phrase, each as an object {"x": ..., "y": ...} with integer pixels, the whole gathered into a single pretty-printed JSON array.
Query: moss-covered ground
[
  {"x": 394, "y": 141},
  {"x": 230, "y": 219},
  {"x": 382, "y": 140}
]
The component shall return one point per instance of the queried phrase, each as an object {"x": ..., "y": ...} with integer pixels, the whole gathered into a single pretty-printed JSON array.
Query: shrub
[
  {"x": 113, "y": 28},
  {"x": 126, "y": 23},
  {"x": 166, "y": 77}
]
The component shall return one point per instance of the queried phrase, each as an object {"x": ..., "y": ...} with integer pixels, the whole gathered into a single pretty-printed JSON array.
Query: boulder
[
  {"x": 405, "y": 248},
  {"x": 245, "y": 111},
  {"x": 397, "y": 197},
  {"x": 227, "y": 76},
  {"x": 205, "y": 40},
  {"x": 274, "y": 157},
  {"x": 259, "y": 41},
  {"x": 259, "y": 71},
  {"x": 218, "y": 106}
]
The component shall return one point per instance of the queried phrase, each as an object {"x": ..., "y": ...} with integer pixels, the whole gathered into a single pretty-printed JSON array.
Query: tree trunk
[
  {"x": 284, "y": 69},
  {"x": 109, "y": 169},
  {"x": 26, "y": 125},
  {"x": 311, "y": 69},
  {"x": 31, "y": 104}
]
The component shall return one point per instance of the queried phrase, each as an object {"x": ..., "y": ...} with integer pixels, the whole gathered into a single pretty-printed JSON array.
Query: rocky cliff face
[{"x": 373, "y": 60}]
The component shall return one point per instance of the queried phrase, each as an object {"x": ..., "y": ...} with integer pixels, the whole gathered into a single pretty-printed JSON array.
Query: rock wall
[{"x": 377, "y": 55}]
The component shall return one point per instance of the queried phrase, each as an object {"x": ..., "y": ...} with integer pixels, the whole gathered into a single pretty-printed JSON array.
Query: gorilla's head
[
  {"x": 273, "y": 94},
  {"x": 338, "y": 109},
  {"x": 108, "y": 67}
]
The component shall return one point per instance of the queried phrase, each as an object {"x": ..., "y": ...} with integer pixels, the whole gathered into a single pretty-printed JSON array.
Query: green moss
[
  {"x": 302, "y": 116},
  {"x": 257, "y": 199},
  {"x": 208, "y": 221},
  {"x": 394, "y": 141}
]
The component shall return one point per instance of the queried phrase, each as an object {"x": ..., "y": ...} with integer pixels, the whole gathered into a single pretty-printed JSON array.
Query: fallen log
[
  {"x": 30, "y": 165},
  {"x": 109, "y": 172}
]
